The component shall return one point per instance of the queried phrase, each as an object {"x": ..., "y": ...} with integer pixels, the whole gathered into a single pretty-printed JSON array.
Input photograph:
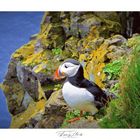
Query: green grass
[
  {"x": 124, "y": 112},
  {"x": 115, "y": 87}
]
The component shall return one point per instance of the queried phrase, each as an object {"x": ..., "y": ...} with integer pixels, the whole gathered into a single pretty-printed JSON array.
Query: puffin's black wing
[{"x": 99, "y": 95}]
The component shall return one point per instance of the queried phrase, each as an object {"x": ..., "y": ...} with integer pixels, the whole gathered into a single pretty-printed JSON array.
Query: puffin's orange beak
[{"x": 58, "y": 75}]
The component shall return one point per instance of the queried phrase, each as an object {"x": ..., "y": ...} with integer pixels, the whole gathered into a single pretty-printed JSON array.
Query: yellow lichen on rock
[
  {"x": 40, "y": 67},
  {"x": 93, "y": 34},
  {"x": 35, "y": 59},
  {"x": 33, "y": 109},
  {"x": 96, "y": 64},
  {"x": 71, "y": 46},
  {"x": 25, "y": 51},
  {"x": 41, "y": 92},
  {"x": 42, "y": 36},
  {"x": 93, "y": 61}
]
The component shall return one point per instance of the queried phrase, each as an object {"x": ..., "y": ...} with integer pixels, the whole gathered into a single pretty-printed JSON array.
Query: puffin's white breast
[{"x": 77, "y": 97}]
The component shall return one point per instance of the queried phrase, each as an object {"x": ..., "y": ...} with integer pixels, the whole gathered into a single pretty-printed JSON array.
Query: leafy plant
[
  {"x": 57, "y": 51},
  {"x": 113, "y": 69}
]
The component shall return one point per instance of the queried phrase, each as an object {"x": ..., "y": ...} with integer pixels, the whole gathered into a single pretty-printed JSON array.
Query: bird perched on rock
[{"x": 78, "y": 92}]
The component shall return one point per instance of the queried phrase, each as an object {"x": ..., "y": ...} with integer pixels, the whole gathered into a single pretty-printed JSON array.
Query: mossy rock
[
  {"x": 53, "y": 117},
  {"x": 25, "y": 51},
  {"x": 33, "y": 109},
  {"x": 55, "y": 111},
  {"x": 14, "y": 94},
  {"x": 113, "y": 16}
]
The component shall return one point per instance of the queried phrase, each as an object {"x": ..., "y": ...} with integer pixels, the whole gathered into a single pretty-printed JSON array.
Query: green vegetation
[
  {"x": 115, "y": 88},
  {"x": 124, "y": 112},
  {"x": 57, "y": 86},
  {"x": 57, "y": 51},
  {"x": 73, "y": 114},
  {"x": 113, "y": 69}
]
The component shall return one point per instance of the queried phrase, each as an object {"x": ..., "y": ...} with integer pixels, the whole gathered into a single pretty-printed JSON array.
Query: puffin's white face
[{"x": 69, "y": 69}]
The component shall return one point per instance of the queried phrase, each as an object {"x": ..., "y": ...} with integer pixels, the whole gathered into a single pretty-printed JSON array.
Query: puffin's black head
[{"x": 69, "y": 68}]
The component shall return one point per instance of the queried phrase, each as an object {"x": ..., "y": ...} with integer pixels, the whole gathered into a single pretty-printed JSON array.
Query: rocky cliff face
[{"x": 93, "y": 38}]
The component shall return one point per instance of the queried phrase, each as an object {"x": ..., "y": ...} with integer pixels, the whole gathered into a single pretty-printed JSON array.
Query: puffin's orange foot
[{"x": 73, "y": 120}]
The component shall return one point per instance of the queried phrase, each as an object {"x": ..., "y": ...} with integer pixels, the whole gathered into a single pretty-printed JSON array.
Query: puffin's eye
[{"x": 66, "y": 66}]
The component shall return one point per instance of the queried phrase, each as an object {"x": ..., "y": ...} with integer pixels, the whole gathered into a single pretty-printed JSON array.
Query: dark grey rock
[
  {"x": 56, "y": 109},
  {"x": 29, "y": 81},
  {"x": 27, "y": 99},
  {"x": 53, "y": 117},
  {"x": 11, "y": 73}
]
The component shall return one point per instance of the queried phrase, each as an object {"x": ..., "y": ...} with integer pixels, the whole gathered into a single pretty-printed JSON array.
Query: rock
[
  {"x": 33, "y": 37},
  {"x": 81, "y": 23},
  {"x": 84, "y": 26},
  {"x": 54, "y": 36},
  {"x": 13, "y": 90},
  {"x": 34, "y": 108},
  {"x": 11, "y": 73},
  {"x": 24, "y": 52},
  {"x": 113, "y": 16},
  {"x": 65, "y": 17},
  {"x": 78, "y": 24},
  {"x": 48, "y": 93},
  {"x": 30, "y": 82},
  {"x": 71, "y": 46},
  {"x": 38, "y": 46},
  {"x": 16, "y": 86},
  {"x": 39, "y": 68},
  {"x": 93, "y": 44},
  {"x": 118, "y": 47},
  {"x": 56, "y": 104},
  {"x": 117, "y": 40},
  {"x": 20, "y": 72},
  {"x": 27, "y": 99},
  {"x": 74, "y": 17},
  {"x": 55, "y": 111},
  {"x": 14, "y": 94},
  {"x": 44, "y": 79}
]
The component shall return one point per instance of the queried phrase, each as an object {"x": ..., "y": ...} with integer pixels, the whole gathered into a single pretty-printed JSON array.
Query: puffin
[{"x": 77, "y": 91}]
